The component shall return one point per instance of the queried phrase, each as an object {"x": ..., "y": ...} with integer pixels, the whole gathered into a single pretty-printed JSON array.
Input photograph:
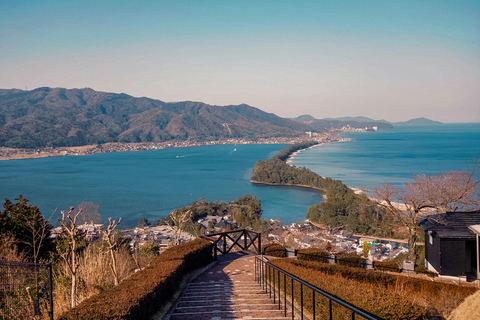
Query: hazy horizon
[{"x": 383, "y": 60}]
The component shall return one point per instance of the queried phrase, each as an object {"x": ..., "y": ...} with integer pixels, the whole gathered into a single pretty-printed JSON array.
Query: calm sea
[
  {"x": 150, "y": 184},
  {"x": 394, "y": 155}
]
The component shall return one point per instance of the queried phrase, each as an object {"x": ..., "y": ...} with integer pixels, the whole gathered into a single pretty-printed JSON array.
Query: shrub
[
  {"x": 438, "y": 298},
  {"x": 142, "y": 294},
  {"x": 350, "y": 260},
  {"x": 391, "y": 266},
  {"x": 370, "y": 297},
  {"x": 423, "y": 270},
  {"x": 274, "y": 250},
  {"x": 312, "y": 254}
]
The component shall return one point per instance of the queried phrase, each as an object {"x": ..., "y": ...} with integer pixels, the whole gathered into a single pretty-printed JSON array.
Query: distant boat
[{"x": 235, "y": 149}]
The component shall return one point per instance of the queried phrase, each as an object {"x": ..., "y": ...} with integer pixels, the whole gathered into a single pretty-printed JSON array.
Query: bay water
[
  {"x": 394, "y": 155},
  {"x": 150, "y": 184}
]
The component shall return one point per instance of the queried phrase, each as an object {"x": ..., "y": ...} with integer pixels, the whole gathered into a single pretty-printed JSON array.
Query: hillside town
[{"x": 327, "y": 136}]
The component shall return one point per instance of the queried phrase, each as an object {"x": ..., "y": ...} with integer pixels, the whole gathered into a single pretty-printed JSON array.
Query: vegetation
[
  {"x": 312, "y": 254},
  {"x": 51, "y": 117},
  {"x": 146, "y": 292},
  {"x": 274, "y": 250},
  {"x": 245, "y": 211},
  {"x": 385, "y": 295},
  {"x": 447, "y": 192},
  {"x": 28, "y": 233},
  {"x": 342, "y": 206},
  {"x": 370, "y": 297},
  {"x": 365, "y": 249}
]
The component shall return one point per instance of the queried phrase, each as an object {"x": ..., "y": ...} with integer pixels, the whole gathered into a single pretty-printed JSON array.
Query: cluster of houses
[
  {"x": 452, "y": 240},
  {"x": 302, "y": 235}
]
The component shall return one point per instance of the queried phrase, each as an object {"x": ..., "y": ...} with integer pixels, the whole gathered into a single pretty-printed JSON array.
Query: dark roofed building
[{"x": 452, "y": 243}]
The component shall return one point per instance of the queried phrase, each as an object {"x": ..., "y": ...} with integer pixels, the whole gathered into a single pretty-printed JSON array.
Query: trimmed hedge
[
  {"x": 391, "y": 266},
  {"x": 312, "y": 254},
  {"x": 274, "y": 250},
  {"x": 145, "y": 292},
  {"x": 350, "y": 260},
  {"x": 370, "y": 297},
  {"x": 433, "y": 295}
]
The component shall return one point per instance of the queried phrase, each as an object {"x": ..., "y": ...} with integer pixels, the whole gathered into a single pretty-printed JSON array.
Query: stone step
[
  {"x": 202, "y": 302},
  {"x": 218, "y": 295},
  {"x": 242, "y": 314},
  {"x": 228, "y": 308}
]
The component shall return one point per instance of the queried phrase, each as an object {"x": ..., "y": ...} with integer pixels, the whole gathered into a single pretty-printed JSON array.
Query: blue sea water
[
  {"x": 394, "y": 155},
  {"x": 150, "y": 184}
]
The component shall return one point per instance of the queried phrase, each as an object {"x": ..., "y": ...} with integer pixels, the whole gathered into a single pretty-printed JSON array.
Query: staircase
[{"x": 227, "y": 291}]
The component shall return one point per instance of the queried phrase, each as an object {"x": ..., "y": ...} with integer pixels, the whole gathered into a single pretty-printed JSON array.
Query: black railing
[
  {"x": 270, "y": 279},
  {"x": 354, "y": 263},
  {"x": 242, "y": 238},
  {"x": 25, "y": 290}
]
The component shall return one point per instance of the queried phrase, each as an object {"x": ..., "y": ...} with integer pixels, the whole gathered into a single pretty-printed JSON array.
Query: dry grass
[
  {"x": 468, "y": 309},
  {"x": 94, "y": 275},
  {"x": 436, "y": 298}
]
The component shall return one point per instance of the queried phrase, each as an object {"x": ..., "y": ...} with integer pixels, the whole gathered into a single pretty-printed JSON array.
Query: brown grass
[
  {"x": 468, "y": 309},
  {"x": 436, "y": 298}
]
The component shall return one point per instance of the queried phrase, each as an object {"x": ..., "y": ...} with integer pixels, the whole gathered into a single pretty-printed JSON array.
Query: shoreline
[
  {"x": 320, "y": 143},
  {"x": 322, "y": 192},
  {"x": 20, "y": 154},
  {"x": 7, "y": 153}
]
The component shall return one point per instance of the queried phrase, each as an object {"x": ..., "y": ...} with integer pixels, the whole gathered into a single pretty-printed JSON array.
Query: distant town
[
  {"x": 331, "y": 135},
  {"x": 299, "y": 235}
]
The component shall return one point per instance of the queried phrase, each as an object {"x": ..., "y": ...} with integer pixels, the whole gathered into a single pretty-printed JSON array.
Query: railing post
[
  {"x": 224, "y": 243},
  {"x": 270, "y": 280},
  {"x": 50, "y": 289},
  {"x": 279, "y": 305},
  {"x": 330, "y": 308},
  {"x": 259, "y": 243},
  {"x": 285, "y": 293},
  {"x": 293, "y": 299},
  {"x": 273, "y": 274},
  {"x": 245, "y": 239},
  {"x": 301, "y": 299},
  {"x": 313, "y": 303}
]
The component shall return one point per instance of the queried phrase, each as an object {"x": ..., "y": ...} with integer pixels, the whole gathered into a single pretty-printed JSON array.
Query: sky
[{"x": 392, "y": 60}]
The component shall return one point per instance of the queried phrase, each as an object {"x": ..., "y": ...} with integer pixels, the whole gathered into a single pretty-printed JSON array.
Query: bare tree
[
  {"x": 449, "y": 191},
  {"x": 179, "y": 218},
  {"x": 38, "y": 230},
  {"x": 70, "y": 229},
  {"x": 109, "y": 235},
  {"x": 89, "y": 213}
]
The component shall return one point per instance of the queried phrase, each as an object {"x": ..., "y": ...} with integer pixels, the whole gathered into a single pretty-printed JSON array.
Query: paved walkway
[{"x": 227, "y": 291}]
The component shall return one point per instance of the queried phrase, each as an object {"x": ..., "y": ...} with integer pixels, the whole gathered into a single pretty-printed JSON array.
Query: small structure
[{"x": 452, "y": 244}]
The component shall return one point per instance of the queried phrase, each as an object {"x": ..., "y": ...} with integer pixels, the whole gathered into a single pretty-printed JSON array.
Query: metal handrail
[{"x": 264, "y": 278}]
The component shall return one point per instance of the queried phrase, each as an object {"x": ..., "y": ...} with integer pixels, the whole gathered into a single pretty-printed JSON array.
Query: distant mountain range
[
  {"x": 54, "y": 117},
  {"x": 363, "y": 122}
]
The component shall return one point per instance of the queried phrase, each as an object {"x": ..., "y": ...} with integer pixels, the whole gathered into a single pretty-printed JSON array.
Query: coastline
[
  {"x": 7, "y": 153},
  {"x": 20, "y": 154},
  {"x": 322, "y": 192},
  {"x": 320, "y": 142}
]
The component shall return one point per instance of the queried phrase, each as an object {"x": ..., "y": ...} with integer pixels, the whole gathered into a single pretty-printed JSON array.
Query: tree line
[
  {"x": 245, "y": 212},
  {"x": 81, "y": 267},
  {"x": 393, "y": 212},
  {"x": 342, "y": 207}
]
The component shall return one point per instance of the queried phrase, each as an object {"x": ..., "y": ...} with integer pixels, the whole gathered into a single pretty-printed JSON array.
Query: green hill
[{"x": 54, "y": 117}]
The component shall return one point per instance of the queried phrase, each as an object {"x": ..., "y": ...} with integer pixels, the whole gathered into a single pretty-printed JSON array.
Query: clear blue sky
[{"x": 392, "y": 60}]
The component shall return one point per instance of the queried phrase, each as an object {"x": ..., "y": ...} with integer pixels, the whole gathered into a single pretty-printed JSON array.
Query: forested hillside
[{"x": 54, "y": 117}]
